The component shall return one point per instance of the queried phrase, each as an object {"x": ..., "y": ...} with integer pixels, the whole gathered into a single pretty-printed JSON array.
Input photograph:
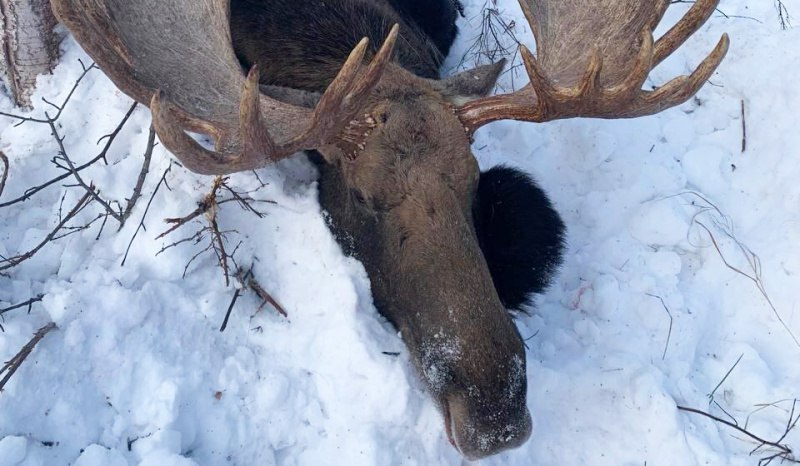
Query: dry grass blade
[
  {"x": 722, "y": 224},
  {"x": 669, "y": 332},
  {"x": 10, "y": 367},
  {"x": 724, "y": 378}
]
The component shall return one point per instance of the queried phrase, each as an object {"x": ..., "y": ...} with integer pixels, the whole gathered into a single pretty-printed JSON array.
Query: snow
[{"x": 645, "y": 315}]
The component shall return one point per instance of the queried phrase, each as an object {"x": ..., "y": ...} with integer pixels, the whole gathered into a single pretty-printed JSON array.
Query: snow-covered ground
[{"x": 645, "y": 315}]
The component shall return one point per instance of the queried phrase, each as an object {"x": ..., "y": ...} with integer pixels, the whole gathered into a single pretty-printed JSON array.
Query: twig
[
  {"x": 28, "y": 303},
  {"x": 6, "y": 167},
  {"x": 219, "y": 249},
  {"x": 88, "y": 187},
  {"x": 178, "y": 222},
  {"x": 236, "y": 295},
  {"x": 245, "y": 202},
  {"x": 59, "y": 108},
  {"x": 14, "y": 261},
  {"x": 783, "y": 15},
  {"x": 784, "y": 451},
  {"x": 744, "y": 129},
  {"x": 141, "y": 226},
  {"x": 262, "y": 293},
  {"x": 102, "y": 155},
  {"x": 208, "y": 208},
  {"x": 11, "y": 366},
  {"x": 137, "y": 190},
  {"x": 792, "y": 422},
  {"x": 725, "y": 15}
]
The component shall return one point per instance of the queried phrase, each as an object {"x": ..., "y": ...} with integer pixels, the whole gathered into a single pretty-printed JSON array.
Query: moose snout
[{"x": 477, "y": 436}]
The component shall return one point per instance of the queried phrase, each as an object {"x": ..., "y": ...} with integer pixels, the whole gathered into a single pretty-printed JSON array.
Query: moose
[{"x": 356, "y": 83}]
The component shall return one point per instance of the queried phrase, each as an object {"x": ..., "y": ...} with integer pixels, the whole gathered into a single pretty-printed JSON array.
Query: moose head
[{"x": 403, "y": 189}]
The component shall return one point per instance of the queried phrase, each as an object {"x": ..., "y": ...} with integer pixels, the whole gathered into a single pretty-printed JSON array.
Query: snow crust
[{"x": 644, "y": 316}]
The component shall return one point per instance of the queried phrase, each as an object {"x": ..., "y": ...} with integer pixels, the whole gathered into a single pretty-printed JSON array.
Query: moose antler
[
  {"x": 177, "y": 57},
  {"x": 593, "y": 57}
]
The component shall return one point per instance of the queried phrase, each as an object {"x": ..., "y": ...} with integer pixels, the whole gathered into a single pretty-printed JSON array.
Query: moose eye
[
  {"x": 359, "y": 197},
  {"x": 383, "y": 117}
]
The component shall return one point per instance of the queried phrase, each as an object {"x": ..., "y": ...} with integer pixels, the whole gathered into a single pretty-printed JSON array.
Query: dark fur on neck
[
  {"x": 521, "y": 235},
  {"x": 313, "y": 38}
]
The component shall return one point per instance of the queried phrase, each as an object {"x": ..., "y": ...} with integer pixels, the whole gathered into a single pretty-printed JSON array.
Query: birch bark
[{"x": 28, "y": 45}]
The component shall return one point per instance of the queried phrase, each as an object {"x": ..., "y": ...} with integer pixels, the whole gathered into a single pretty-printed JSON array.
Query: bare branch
[
  {"x": 784, "y": 452},
  {"x": 88, "y": 187},
  {"x": 16, "y": 260},
  {"x": 11, "y": 366},
  {"x": 162, "y": 181},
  {"x": 208, "y": 208},
  {"x": 27, "y": 303},
  {"x": 60, "y": 108},
  {"x": 755, "y": 277},
  {"x": 137, "y": 190},
  {"x": 783, "y": 15},
  {"x": 102, "y": 155},
  {"x": 261, "y": 292}
]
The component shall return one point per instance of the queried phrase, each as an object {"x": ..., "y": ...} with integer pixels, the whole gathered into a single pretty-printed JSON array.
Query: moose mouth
[
  {"x": 479, "y": 440},
  {"x": 448, "y": 426}
]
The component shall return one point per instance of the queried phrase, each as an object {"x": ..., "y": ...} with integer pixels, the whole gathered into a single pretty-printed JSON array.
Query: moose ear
[{"x": 471, "y": 84}]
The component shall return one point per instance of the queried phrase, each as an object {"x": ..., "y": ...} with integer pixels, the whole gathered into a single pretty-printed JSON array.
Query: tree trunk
[{"x": 28, "y": 45}]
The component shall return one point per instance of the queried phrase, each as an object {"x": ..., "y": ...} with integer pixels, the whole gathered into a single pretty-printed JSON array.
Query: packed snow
[{"x": 683, "y": 259}]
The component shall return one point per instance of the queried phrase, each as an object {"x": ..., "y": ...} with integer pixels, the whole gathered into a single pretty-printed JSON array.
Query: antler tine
[
  {"x": 688, "y": 25},
  {"x": 348, "y": 93},
  {"x": 585, "y": 68},
  {"x": 682, "y": 88},
  {"x": 376, "y": 68},
  {"x": 190, "y": 153},
  {"x": 255, "y": 134}
]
